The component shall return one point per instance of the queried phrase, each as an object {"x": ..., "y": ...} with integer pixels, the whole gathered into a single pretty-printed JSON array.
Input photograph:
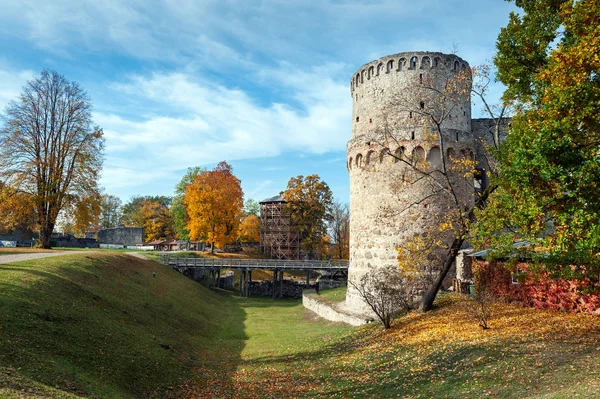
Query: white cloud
[
  {"x": 11, "y": 85},
  {"x": 203, "y": 123}
]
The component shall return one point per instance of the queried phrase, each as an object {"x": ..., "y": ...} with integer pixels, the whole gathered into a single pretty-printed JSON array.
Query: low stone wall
[
  {"x": 327, "y": 283},
  {"x": 312, "y": 301},
  {"x": 291, "y": 289},
  {"x": 226, "y": 280},
  {"x": 195, "y": 274}
]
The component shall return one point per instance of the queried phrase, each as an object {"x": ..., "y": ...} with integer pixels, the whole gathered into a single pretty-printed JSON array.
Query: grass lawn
[
  {"x": 99, "y": 326},
  {"x": 334, "y": 295}
]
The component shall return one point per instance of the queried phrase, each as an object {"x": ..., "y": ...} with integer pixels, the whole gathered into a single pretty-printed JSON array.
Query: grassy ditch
[{"x": 99, "y": 325}]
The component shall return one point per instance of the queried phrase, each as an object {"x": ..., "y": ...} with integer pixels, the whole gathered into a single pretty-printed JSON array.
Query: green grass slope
[{"x": 100, "y": 325}]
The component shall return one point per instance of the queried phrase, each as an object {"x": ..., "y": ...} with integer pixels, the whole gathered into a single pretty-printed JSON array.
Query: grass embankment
[
  {"x": 99, "y": 325},
  {"x": 527, "y": 353}
]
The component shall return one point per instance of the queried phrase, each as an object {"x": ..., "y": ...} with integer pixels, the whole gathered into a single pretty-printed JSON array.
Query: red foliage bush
[{"x": 539, "y": 290}]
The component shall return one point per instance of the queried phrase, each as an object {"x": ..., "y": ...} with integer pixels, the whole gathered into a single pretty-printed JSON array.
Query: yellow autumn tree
[
  {"x": 249, "y": 229},
  {"x": 17, "y": 210},
  {"x": 158, "y": 223},
  {"x": 214, "y": 203}
]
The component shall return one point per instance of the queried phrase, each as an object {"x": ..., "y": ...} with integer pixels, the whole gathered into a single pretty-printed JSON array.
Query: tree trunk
[
  {"x": 212, "y": 247},
  {"x": 45, "y": 235},
  {"x": 434, "y": 288}
]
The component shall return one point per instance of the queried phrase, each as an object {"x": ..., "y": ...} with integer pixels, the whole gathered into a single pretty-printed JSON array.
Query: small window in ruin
[
  {"x": 390, "y": 66},
  {"x": 357, "y": 118},
  {"x": 456, "y": 136},
  {"x": 413, "y": 62},
  {"x": 456, "y": 65},
  {"x": 370, "y": 120},
  {"x": 422, "y": 105},
  {"x": 412, "y": 135},
  {"x": 420, "y": 78},
  {"x": 410, "y": 114}
]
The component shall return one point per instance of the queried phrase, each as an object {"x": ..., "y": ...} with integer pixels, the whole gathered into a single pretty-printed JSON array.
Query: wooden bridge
[{"x": 245, "y": 266}]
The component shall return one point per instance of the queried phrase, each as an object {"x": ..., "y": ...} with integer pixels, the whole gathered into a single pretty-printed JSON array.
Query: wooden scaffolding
[{"x": 277, "y": 237}]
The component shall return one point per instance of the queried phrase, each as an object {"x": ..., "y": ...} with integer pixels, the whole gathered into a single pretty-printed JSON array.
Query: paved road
[{"x": 29, "y": 256}]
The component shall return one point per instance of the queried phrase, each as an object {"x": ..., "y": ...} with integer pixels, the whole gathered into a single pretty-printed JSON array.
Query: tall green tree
[
  {"x": 309, "y": 203},
  {"x": 251, "y": 207},
  {"x": 178, "y": 208},
  {"x": 549, "y": 166}
]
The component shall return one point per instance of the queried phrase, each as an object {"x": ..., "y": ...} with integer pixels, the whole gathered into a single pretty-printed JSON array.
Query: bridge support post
[
  {"x": 281, "y": 284},
  {"x": 246, "y": 283},
  {"x": 241, "y": 284},
  {"x": 274, "y": 282},
  {"x": 307, "y": 278}
]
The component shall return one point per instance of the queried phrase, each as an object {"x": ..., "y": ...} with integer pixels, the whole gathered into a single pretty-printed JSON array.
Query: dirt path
[
  {"x": 30, "y": 256},
  {"x": 137, "y": 255}
]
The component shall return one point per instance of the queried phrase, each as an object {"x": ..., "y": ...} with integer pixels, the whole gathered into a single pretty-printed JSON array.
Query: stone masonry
[{"x": 387, "y": 95}]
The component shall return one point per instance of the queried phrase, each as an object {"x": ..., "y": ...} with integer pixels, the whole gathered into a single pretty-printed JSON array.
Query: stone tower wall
[{"x": 387, "y": 95}]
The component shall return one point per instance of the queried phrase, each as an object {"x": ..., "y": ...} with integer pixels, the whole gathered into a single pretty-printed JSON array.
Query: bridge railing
[{"x": 254, "y": 263}]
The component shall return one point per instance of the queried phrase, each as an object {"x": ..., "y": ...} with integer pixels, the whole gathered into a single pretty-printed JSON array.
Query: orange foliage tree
[
  {"x": 249, "y": 229},
  {"x": 214, "y": 204},
  {"x": 17, "y": 210},
  {"x": 158, "y": 223}
]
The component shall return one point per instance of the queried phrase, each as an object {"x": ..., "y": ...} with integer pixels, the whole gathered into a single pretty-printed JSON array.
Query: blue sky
[{"x": 263, "y": 85}]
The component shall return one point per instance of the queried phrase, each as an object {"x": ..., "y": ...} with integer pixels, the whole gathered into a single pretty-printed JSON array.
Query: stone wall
[
  {"x": 313, "y": 302},
  {"x": 327, "y": 283},
  {"x": 122, "y": 236},
  {"x": 226, "y": 281},
  {"x": 384, "y": 92},
  {"x": 291, "y": 289}
]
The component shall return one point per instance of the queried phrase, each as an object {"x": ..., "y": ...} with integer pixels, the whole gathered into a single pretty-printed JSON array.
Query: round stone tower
[{"x": 397, "y": 102}]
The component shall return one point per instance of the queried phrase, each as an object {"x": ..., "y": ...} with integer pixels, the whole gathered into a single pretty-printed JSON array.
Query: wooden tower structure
[{"x": 277, "y": 236}]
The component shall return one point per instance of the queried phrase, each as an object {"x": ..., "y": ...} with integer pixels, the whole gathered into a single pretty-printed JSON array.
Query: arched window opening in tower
[
  {"x": 398, "y": 154},
  {"x": 413, "y": 62},
  {"x": 425, "y": 63},
  {"x": 451, "y": 154},
  {"x": 390, "y": 66},
  {"x": 379, "y": 68},
  {"x": 357, "y": 118},
  {"x": 401, "y": 63},
  {"x": 382, "y": 155},
  {"x": 371, "y": 71},
  {"x": 412, "y": 135},
  {"x": 434, "y": 158},
  {"x": 418, "y": 155},
  {"x": 359, "y": 161},
  {"x": 370, "y": 157},
  {"x": 456, "y": 64},
  {"x": 422, "y": 105},
  {"x": 350, "y": 163}
]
